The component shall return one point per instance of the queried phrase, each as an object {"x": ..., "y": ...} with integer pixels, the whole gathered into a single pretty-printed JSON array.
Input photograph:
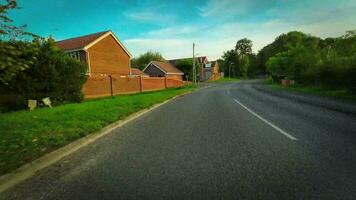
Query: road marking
[{"x": 266, "y": 121}]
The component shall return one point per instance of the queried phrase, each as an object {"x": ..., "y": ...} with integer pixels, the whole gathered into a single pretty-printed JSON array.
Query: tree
[
  {"x": 14, "y": 55},
  {"x": 7, "y": 29},
  {"x": 243, "y": 47},
  {"x": 51, "y": 74},
  {"x": 243, "y": 51},
  {"x": 143, "y": 60},
  {"x": 230, "y": 63},
  {"x": 186, "y": 66},
  {"x": 244, "y": 63},
  {"x": 294, "y": 63},
  {"x": 283, "y": 43}
]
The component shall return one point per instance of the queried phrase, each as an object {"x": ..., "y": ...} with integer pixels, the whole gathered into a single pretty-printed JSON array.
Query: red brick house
[
  {"x": 163, "y": 69},
  {"x": 199, "y": 61},
  {"x": 211, "y": 71},
  {"x": 102, "y": 52}
]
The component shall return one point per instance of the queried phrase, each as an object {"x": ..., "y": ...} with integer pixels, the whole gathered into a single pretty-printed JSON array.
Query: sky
[{"x": 170, "y": 27}]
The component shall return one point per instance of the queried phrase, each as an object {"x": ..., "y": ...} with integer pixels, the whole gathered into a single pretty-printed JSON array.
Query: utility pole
[{"x": 194, "y": 76}]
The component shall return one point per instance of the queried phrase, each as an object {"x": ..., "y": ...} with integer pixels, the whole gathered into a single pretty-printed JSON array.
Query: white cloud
[{"x": 175, "y": 41}]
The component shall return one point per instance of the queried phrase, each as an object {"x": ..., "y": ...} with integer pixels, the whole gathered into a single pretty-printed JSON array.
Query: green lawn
[
  {"x": 334, "y": 93},
  {"x": 225, "y": 80},
  {"x": 27, "y": 135}
]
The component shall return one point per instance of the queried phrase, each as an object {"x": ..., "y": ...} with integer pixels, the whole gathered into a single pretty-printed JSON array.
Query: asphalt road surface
[{"x": 228, "y": 141}]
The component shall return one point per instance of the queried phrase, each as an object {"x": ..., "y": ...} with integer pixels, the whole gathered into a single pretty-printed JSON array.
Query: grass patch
[
  {"x": 27, "y": 135},
  {"x": 343, "y": 94},
  {"x": 225, "y": 80}
]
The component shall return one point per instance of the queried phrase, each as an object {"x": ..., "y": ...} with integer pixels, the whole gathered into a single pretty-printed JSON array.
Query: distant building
[
  {"x": 163, "y": 69},
  {"x": 206, "y": 70},
  {"x": 211, "y": 71}
]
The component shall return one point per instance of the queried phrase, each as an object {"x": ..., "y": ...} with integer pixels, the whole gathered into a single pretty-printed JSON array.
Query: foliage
[
  {"x": 243, "y": 47},
  {"x": 186, "y": 66},
  {"x": 49, "y": 73},
  {"x": 313, "y": 61},
  {"x": 15, "y": 57},
  {"x": 293, "y": 63},
  {"x": 26, "y": 135},
  {"x": 8, "y": 31},
  {"x": 283, "y": 43},
  {"x": 142, "y": 61},
  {"x": 244, "y": 61},
  {"x": 239, "y": 62}
]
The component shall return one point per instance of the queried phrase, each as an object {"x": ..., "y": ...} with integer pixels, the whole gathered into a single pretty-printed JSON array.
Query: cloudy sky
[{"x": 171, "y": 27}]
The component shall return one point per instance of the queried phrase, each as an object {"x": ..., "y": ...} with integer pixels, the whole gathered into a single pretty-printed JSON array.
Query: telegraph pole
[{"x": 194, "y": 76}]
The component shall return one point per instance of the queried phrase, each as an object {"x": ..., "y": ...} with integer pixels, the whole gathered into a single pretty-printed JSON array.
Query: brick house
[
  {"x": 199, "y": 61},
  {"x": 163, "y": 69},
  {"x": 210, "y": 71},
  {"x": 102, "y": 52}
]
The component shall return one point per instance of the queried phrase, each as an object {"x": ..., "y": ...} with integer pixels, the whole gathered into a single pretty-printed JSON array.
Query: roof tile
[{"x": 78, "y": 42}]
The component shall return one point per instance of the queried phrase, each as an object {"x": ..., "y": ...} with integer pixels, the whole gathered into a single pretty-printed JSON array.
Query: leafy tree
[
  {"x": 230, "y": 63},
  {"x": 285, "y": 42},
  {"x": 243, "y": 47},
  {"x": 186, "y": 66},
  {"x": 293, "y": 63},
  {"x": 143, "y": 60},
  {"x": 14, "y": 55},
  {"x": 244, "y": 63},
  {"x": 243, "y": 51}
]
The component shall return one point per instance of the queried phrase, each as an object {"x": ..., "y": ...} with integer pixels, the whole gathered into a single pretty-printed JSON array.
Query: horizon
[{"x": 171, "y": 27}]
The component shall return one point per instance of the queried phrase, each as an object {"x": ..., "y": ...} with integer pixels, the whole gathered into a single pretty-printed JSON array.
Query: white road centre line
[{"x": 266, "y": 121}]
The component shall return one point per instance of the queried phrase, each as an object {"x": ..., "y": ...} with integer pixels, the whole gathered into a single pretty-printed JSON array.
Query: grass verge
[
  {"x": 225, "y": 80},
  {"x": 343, "y": 94},
  {"x": 27, "y": 135}
]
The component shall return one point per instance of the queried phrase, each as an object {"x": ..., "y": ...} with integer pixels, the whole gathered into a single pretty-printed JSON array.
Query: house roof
[
  {"x": 135, "y": 71},
  {"x": 166, "y": 67},
  {"x": 86, "y": 41}
]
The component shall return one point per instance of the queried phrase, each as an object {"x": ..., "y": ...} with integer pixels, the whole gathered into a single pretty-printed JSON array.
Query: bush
[{"x": 51, "y": 74}]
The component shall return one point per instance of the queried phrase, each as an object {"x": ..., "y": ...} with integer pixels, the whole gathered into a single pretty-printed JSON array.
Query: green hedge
[{"x": 48, "y": 72}]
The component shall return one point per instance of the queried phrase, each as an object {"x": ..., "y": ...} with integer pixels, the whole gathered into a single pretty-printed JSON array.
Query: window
[{"x": 75, "y": 55}]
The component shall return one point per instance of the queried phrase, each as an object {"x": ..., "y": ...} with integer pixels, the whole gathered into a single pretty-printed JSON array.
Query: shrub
[{"x": 51, "y": 74}]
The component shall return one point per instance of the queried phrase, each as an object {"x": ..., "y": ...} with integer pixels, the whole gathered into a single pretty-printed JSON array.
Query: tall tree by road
[
  {"x": 243, "y": 51},
  {"x": 143, "y": 60}
]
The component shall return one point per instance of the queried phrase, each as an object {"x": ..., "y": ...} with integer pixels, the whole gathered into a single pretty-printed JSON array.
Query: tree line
[{"x": 307, "y": 59}]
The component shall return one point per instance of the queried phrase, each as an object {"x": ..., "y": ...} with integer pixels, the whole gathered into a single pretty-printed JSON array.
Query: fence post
[
  {"x": 111, "y": 90},
  {"x": 140, "y": 84},
  {"x": 165, "y": 82}
]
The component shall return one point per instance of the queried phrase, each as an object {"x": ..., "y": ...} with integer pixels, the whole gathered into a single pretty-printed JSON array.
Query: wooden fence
[{"x": 109, "y": 85}]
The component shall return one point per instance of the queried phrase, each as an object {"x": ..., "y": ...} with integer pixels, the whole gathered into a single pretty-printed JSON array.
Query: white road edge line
[{"x": 266, "y": 121}]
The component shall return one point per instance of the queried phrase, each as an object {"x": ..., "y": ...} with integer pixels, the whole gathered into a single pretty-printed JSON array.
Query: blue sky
[{"x": 170, "y": 27}]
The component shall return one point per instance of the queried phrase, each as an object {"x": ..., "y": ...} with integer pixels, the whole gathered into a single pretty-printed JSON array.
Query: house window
[{"x": 75, "y": 55}]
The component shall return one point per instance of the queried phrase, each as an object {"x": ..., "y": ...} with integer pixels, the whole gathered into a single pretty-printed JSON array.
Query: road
[{"x": 228, "y": 141}]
